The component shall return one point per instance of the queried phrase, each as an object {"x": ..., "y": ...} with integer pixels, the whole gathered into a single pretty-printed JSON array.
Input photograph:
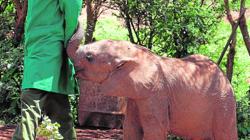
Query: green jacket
[{"x": 49, "y": 25}]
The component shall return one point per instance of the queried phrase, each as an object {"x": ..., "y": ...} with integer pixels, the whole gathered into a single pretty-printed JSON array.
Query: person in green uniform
[{"x": 48, "y": 74}]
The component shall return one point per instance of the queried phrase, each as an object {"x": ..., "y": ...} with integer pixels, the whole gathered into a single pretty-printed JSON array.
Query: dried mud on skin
[{"x": 82, "y": 134}]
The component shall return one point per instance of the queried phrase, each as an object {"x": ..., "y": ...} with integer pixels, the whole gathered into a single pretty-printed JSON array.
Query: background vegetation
[
  {"x": 191, "y": 28},
  {"x": 11, "y": 67}
]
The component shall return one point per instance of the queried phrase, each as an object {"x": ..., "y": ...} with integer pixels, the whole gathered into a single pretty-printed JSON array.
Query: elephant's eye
[{"x": 89, "y": 57}]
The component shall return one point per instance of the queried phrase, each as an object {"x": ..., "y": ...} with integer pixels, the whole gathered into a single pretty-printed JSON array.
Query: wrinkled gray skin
[{"x": 188, "y": 97}]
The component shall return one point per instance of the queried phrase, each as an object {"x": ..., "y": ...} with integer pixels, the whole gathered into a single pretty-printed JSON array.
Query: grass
[
  {"x": 247, "y": 4},
  {"x": 110, "y": 28}
]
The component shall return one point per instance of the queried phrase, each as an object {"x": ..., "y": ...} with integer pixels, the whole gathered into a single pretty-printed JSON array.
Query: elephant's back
[{"x": 201, "y": 92}]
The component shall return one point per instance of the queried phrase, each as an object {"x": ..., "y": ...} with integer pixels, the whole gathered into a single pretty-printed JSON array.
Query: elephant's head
[
  {"x": 118, "y": 66},
  {"x": 108, "y": 63}
]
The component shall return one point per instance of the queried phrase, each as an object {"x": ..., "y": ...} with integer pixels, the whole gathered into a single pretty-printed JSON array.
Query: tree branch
[
  {"x": 243, "y": 27},
  {"x": 136, "y": 32},
  {"x": 230, "y": 39}
]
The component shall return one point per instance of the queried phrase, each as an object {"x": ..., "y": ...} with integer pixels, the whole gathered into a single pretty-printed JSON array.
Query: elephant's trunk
[{"x": 75, "y": 41}]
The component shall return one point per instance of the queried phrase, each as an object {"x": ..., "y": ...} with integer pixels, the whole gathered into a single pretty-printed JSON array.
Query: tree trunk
[
  {"x": 93, "y": 12},
  {"x": 231, "y": 53},
  {"x": 243, "y": 26},
  {"x": 230, "y": 59},
  {"x": 129, "y": 28},
  {"x": 21, "y": 12},
  {"x": 245, "y": 34}
]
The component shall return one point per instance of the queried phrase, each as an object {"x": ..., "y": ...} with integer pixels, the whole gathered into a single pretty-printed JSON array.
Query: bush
[
  {"x": 11, "y": 68},
  {"x": 188, "y": 26},
  {"x": 49, "y": 130},
  {"x": 172, "y": 28},
  {"x": 243, "y": 117}
]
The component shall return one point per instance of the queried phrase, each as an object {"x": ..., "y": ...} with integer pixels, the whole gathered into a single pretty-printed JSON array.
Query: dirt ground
[{"x": 82, "y": 133}]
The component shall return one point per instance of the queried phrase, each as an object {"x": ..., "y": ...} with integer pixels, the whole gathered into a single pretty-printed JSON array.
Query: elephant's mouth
[
  {"x": 82, "y": 74},
  {"x": 77, "y": 70}
]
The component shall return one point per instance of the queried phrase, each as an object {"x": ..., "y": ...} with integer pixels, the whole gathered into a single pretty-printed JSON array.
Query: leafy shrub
[
  {"x": 11, "y": 68},
  {"x": 49, "y": 130},
  {"x": 243, "y": 117},
  {"x": 172, "y": 28},
  {"x": 73, "y": 107},
  {"x": 188, "y": 26}
]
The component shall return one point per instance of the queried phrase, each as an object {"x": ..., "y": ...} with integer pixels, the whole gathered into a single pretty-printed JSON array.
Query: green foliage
[
  {"x": 189, "y": 25},
  {"x": 172, "y": 28},
  {"x": 243, "y": 117},
  {"x": 49, "y": 130},
  {"x": 10, "y": 68},
  {"x": 235, "y": 4},
  {"x": 73, "y": 107}
]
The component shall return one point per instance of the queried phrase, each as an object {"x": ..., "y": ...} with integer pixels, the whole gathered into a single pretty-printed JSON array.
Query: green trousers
[{"x": 34, "y": 103}]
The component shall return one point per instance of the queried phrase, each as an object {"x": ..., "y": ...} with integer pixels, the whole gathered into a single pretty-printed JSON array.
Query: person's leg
[
  {"x": 57, "y": 108},
  {"x": 30, "y": 115}
]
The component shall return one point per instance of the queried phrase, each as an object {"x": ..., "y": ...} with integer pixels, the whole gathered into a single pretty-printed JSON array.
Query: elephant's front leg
[
  {"x": 154, "y": 119},
  {"x": 132, "y": 129},
  {"x": 152, "y": 131}
]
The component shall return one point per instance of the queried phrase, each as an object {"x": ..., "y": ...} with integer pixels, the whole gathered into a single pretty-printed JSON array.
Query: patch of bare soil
[{"x": 82, "y": 133}]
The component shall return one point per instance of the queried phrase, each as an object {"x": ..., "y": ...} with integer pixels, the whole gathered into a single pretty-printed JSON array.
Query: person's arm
[{"x": 71, "y": 10}]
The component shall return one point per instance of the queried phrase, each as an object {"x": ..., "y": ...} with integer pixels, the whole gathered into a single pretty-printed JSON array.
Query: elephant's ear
[
  {"x": 124, "y": 60},
  {"x": 129, "y": 62},
  {"x": 75, "y": 40}
]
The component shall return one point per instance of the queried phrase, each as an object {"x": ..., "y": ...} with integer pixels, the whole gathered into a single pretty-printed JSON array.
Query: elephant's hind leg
[{"x": 225, "y": 126}]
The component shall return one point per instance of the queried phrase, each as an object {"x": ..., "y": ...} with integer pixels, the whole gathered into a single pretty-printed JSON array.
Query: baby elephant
[{"x": 188, "y": 97}]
